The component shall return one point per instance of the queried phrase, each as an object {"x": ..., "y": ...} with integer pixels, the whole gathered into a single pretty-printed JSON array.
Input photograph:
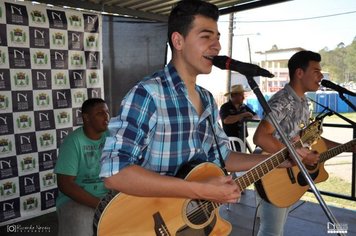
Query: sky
[{"x": 310, "y": 24}]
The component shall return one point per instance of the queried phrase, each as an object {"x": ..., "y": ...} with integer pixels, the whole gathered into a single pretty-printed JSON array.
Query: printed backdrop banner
[{"x": 50, "y": 62}]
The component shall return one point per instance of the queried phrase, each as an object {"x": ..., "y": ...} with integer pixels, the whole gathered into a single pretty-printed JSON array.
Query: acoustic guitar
[
  {"x": 123, "y": 214},
  {"x": 284, "y": 187}
]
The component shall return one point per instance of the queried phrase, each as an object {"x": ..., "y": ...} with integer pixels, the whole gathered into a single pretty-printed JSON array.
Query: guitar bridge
[{"x": 160, "y": 227}]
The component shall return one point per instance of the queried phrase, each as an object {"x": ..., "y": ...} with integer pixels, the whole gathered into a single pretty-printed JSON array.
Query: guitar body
[
  {"x": 131, "y": 215},
  {"x": 283, "y": 187}
]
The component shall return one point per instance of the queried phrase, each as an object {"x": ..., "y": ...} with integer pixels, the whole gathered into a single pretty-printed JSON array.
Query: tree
[
  {"x": 350, "y": 61},
  {"x": 333, "y": 61}
]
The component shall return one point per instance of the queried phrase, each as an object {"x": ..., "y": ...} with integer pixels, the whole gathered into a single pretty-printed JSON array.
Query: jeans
[
  {"x": 272, "y": 219},
  {"x": 75, "y": 219}
]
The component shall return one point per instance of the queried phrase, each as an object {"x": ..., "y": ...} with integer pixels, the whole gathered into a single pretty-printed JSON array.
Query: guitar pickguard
[{"x": 188, "y": 231}]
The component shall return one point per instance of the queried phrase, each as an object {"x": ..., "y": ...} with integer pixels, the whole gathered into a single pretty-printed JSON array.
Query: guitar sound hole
[{"x": 199, "y": 212}]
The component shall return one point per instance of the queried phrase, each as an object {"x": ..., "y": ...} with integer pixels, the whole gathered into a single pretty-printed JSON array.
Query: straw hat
[{"x": 237, "y": 88}]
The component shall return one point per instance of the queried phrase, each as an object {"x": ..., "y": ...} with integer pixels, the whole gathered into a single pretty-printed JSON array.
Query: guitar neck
[
  {"x": 336, "y": 150},
  {"x": 257, "y": 172},
  {"x": 311, "y": 133}
]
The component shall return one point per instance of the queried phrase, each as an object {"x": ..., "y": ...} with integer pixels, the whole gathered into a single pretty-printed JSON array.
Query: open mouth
[{"x": 209, "y": 57}]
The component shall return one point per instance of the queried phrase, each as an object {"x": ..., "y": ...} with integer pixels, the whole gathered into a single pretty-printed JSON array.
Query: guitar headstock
[{"x": 312, "y": 132}]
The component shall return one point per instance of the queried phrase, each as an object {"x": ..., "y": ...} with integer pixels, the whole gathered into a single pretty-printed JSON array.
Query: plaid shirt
[{"x": 159, "y": 129}]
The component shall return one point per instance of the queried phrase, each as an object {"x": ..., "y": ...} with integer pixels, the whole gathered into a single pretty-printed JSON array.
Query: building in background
[{"x": 276, "y": 61}]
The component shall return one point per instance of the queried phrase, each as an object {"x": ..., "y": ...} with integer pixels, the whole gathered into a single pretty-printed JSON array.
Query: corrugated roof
[{"x": 157, "y": 10}]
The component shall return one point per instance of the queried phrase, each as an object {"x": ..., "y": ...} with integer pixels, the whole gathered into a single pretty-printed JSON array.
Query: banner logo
[
  {"x": 18, "y": 36},
  {"x": 7, "y": 189},
  {"x": 75, "y": 21},
  {"x": 4, "y": 102},
  {"x": 38, "y": 17},
  {"x": 28, "y": 163},
  {"x": 5, "y": 146},
  {"x": 24, "y": 122}
]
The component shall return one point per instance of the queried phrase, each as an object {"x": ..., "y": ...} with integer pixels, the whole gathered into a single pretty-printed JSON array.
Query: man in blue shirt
[{"x": 167, "y": 120}]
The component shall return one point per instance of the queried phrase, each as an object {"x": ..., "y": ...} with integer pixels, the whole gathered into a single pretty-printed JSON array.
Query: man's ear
[
  {"x": 85, "y": 117},
  {"x": 299, "y": 73},
  {"x": 177, "y": 40}
]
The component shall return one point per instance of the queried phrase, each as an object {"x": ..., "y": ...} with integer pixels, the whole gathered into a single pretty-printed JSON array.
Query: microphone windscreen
[
  {"x": 325, "y": 83},
  {"x": 220, "y": 62}
]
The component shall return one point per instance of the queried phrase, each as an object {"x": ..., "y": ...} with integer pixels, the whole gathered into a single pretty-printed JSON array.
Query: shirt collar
[
  {"x": 174, "y": 78},
  {"x": 177, "y": 83},
  {"x": 291, "y": 92}
]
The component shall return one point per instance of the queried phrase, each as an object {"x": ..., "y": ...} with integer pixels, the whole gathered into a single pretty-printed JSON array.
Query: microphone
[
  {"x": 247, "y": 69},
  {"x": 337, "y": 88}
]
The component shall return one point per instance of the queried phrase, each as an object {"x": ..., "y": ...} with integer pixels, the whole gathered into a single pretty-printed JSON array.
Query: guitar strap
[{"x": 222, "y": 163}]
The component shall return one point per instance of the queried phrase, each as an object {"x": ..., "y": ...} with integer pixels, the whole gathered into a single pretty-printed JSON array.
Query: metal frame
[{"x": 156, "y": 10}]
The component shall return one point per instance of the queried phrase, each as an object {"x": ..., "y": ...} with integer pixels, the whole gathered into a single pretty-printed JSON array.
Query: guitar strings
[{"x": 197, "y": 213}]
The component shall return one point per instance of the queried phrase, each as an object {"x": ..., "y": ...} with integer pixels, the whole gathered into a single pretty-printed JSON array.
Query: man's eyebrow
[{"x": 209, "y": 31}]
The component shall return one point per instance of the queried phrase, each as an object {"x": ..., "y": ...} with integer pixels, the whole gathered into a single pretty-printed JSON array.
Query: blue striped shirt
[{"x": 159, "y": 129}]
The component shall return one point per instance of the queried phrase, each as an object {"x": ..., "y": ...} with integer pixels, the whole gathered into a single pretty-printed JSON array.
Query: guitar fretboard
[
  {"x": 311, "y": 133},
  {"x": 336, "y": 150},
  {"x": 261, "y": 169}
]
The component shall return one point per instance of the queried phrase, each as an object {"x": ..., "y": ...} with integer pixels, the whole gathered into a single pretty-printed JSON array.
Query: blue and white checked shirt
[{"x": 159, "y": 129}]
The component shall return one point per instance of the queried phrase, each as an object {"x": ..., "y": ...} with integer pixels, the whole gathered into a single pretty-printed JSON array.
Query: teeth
[{"x": 209, "y": 57}]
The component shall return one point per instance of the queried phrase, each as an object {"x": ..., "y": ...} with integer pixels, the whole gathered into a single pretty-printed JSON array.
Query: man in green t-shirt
[{"x": 77, "y": 169}]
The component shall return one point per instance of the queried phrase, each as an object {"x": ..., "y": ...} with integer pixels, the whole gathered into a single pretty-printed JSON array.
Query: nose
[
  {"x": 217, "y": 45},
  {"x": 107, "y": 116}
]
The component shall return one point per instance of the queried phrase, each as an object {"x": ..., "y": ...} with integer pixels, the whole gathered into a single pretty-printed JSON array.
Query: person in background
[
  {"x": 77, "y": 169},
  {"x": 234, "y": 112},
  {"x": 291, "y": 110},
  {"x": 167, "y": 120}
]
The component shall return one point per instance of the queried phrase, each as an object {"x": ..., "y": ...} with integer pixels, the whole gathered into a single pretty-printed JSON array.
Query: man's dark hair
[
  {"x": 301, "y": 60},
  {"x": 183, "y": 14},
  {"x": 90, "y": 103}
]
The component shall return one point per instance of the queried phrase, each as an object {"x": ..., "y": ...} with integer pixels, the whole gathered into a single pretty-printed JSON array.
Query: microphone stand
[
  {"x": 291, "y": 149},
  {"x": 341, "y": 95}
]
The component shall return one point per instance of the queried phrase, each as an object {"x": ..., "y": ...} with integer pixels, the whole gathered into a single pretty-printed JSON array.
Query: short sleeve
[
  {"x": 68, "y": 159},
  {"x": 224, "y": 111}
]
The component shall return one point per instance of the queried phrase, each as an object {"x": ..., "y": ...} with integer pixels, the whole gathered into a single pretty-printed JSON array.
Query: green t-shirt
[{"x": 80, "y": 156}]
